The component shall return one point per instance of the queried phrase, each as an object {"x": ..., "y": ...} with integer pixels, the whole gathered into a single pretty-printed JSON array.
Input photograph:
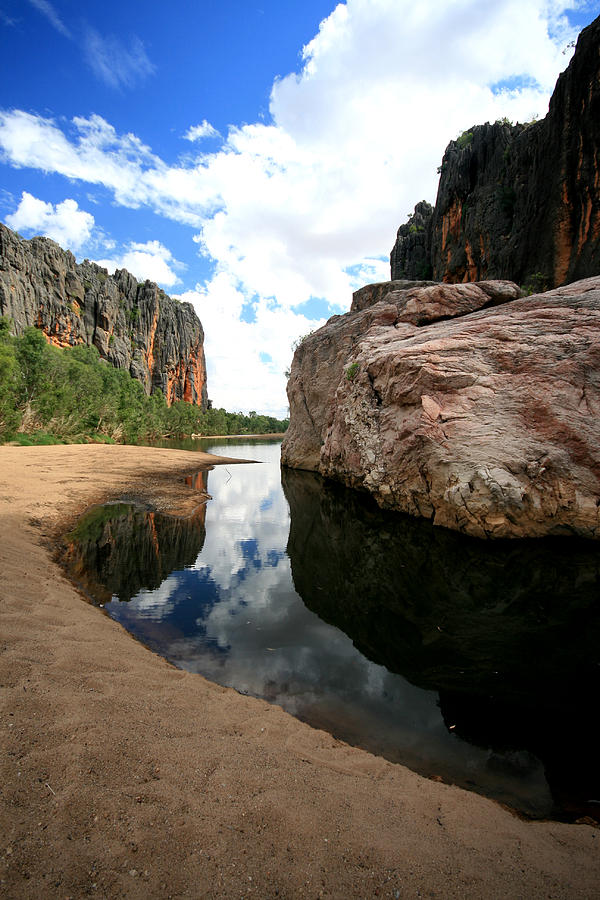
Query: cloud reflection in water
[{"x": 235, "y": 617}]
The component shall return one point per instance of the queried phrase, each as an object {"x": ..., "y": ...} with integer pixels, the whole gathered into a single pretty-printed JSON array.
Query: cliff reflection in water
[
  {"x": 472, "y": 661},
  {"x": 120, "y": 549},
  {"x": 507, "y": 632}
]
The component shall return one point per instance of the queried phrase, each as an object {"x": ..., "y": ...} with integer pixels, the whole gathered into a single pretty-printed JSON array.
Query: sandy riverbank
[{"x": 124, "y": 777}]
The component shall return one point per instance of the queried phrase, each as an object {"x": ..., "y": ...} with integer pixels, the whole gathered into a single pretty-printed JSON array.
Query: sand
[{"x": 125, "y": 777}]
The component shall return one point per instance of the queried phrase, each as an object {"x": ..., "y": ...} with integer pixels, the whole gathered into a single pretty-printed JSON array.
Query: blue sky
[{"x": 254, "y": 159}]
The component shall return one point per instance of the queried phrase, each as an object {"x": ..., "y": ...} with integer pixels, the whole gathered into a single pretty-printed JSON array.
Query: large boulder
[{"x": 486, "y": 423}]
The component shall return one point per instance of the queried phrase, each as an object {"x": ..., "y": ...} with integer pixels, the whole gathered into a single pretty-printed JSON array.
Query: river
[{"x": 469, "y": 662}]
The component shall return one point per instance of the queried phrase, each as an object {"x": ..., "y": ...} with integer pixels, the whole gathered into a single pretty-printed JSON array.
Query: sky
[{"x": 255, "y": 158}]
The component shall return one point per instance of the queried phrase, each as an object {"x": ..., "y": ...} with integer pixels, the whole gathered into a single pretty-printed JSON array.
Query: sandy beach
[{"x": 125, "y": 777}]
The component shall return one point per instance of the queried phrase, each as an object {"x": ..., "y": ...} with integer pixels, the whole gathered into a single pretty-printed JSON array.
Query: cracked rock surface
[{"x": 484, "y": 420}]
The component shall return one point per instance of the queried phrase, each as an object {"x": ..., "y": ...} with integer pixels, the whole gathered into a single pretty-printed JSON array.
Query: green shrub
[
  {"x": 49, "y": 395},
  {"x": 507, "y": 197},
  {"x": 536, "y": 283},
  {"x": 299, "y": 341},
  {"x": 37, "y": 438},
  {"x": 424, "y": 271},
  {"x": 352, "y": 371},
  {"x": 464, "y": 139}
]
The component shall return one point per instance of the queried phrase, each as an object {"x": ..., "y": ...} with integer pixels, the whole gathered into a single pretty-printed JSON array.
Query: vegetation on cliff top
[{"x": 49, "y": 395}]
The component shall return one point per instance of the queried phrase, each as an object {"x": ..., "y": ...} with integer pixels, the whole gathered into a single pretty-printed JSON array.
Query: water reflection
[
  {"x": 503, "y": 638},
  {"x": 518, "y": 620},
  {"x": 120, "y": 549},
  {"x": 508, "y": 633}
]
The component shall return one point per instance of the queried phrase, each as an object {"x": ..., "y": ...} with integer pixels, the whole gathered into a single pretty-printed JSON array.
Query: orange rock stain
[
  {"x": 451, "y": 223},
  {"x": 482, "y": 258},
  {"x": 563, "y": 239},
  {"x": 185, "y": 382},
  {"x": 472, "y": 269},
  {"x": 151, "y": 336},
  {"x": 451, "y": 227},
  {"x": 153, "y": 534},
  {"x": 60, "y": 334}
]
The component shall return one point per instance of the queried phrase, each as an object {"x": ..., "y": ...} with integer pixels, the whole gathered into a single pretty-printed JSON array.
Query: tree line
[{"x": 50, "y": 395}]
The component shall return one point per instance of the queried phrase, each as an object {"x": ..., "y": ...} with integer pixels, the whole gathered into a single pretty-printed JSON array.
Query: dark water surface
[{"x": 477, "y": 662}]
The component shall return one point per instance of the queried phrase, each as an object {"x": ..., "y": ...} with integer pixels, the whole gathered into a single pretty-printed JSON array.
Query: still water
[{"x": 474, "y": 662}]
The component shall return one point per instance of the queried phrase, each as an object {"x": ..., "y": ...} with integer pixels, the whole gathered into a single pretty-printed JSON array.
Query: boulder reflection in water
[{"x": 508, "y": 632}]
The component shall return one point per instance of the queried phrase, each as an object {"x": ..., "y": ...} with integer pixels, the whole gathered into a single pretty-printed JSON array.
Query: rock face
[
  {"x": 411, "y": 255},
  {"x": 483, "y": 420},
  {"x": 518, "y": 201},
  {"x": 134, "y": 326},
  {"x": 321, "y": 361}
]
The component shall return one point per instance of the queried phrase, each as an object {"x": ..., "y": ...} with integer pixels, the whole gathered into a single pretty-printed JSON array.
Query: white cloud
[
  {"x": 201, "y": 131},
  {"x": 302, "y": 206},
  {"x": 152, "y": 261},
  {"x": 50, "y": 13},
  {"x": 65, "y": 223},
  {"x": 93, "y": 152},
  {"x": 114, "y": 63},
  {"x": 9, "y": 21},
  {"x": 108, "y": 57},
  {"x": 238, "y": 379}
]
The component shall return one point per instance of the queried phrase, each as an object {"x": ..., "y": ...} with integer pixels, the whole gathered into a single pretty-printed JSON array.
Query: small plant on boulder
[{"x": 352, "y": 371}]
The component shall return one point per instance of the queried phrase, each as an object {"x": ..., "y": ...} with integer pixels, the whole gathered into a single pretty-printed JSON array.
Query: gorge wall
[
  {"x": 518, "y": 201},
  {"x": 134, "y": 326}
]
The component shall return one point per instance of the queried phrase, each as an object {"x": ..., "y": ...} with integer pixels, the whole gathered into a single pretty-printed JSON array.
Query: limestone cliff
[
  {"x": 518, "y": 201},
  {"x": 134, "y": 326},
  {"x": 411, "y": 254}
]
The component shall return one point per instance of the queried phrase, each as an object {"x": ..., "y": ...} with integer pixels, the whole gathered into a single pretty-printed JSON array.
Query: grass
[{"x": 44, "y": 438}]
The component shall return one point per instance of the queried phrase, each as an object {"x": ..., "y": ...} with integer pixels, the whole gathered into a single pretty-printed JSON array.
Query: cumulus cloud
[
  {"x": 113, "y": 62},
  {"x": 301, "y": 206},
  {"x": 152, "y": 261},
  {"x": 93, "y": 152},
  {"x": 65, "y": 223},
  {"x": 245, "y": 360},
  {"x": 201, "y": 131}
]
